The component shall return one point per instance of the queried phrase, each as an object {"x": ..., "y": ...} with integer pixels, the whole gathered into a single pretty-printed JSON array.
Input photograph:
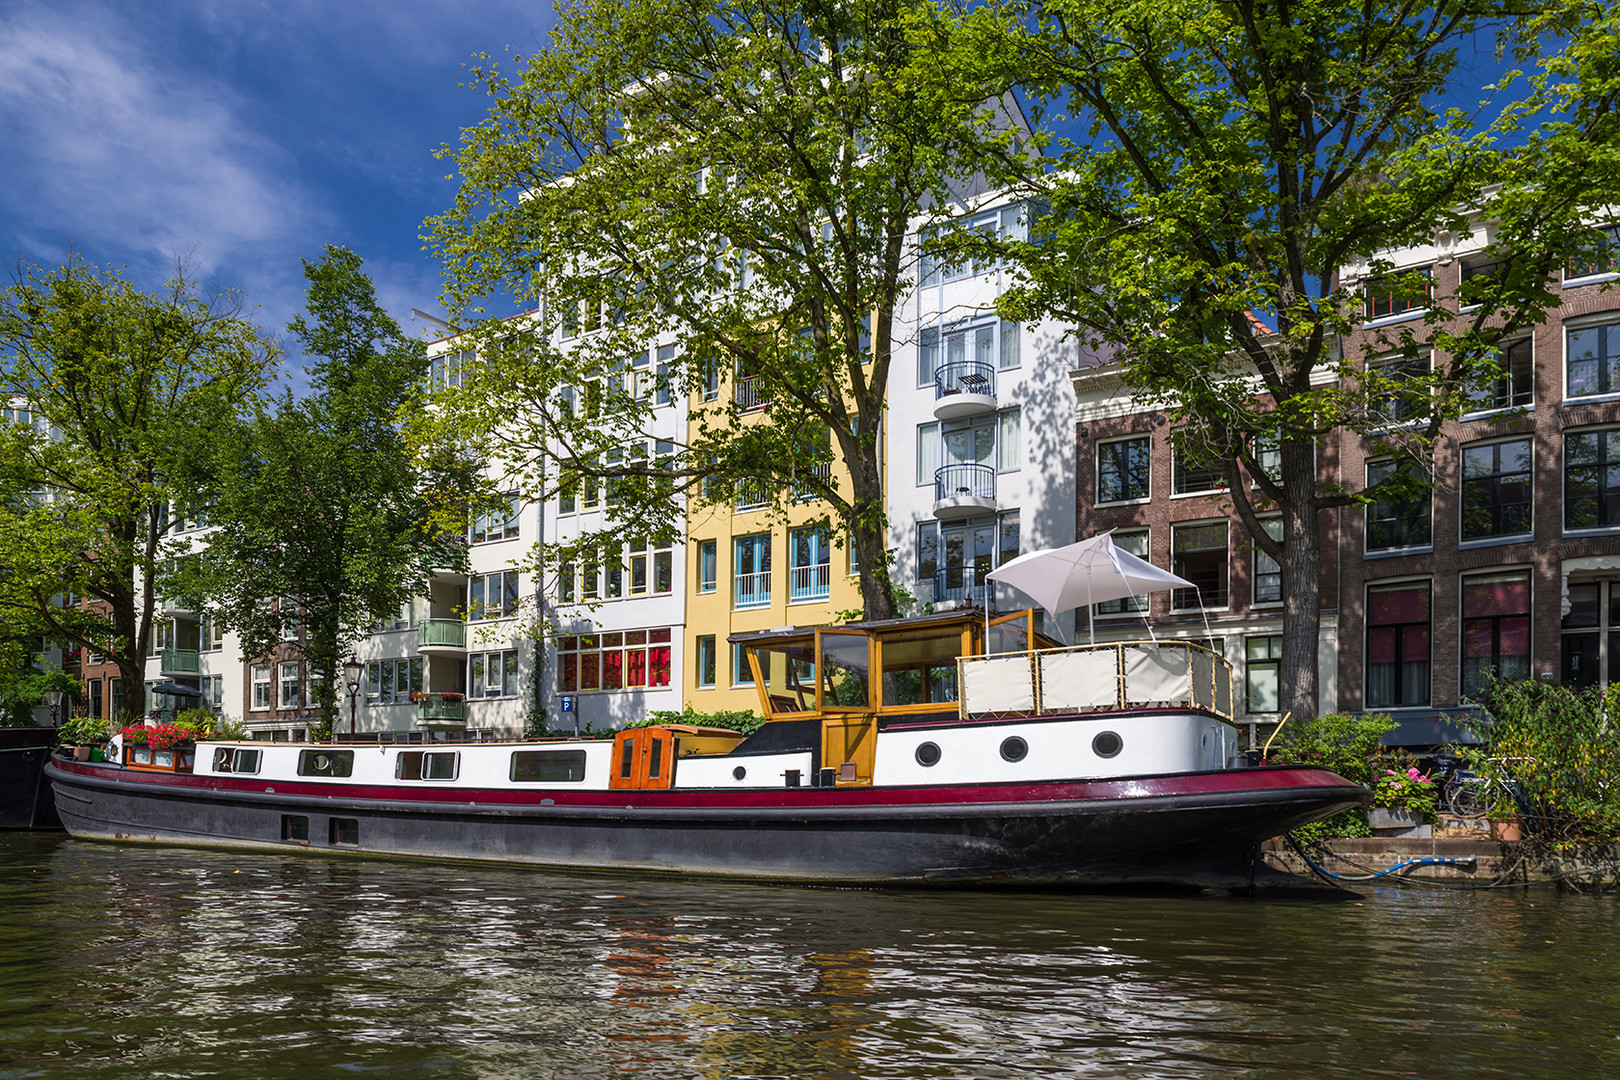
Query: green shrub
[
  {"x": 1349, "y": 744},
  {"x": 739, "y": 720},
  {"x": 83, "y": 731}
]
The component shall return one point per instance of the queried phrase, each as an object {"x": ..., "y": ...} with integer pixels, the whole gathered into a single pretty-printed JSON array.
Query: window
[
  {"x": 392, "y": 682},
  {"x": 1496, "y": 489},
  {"x": 1133, "y": 542},
  {"x": 1396, "y": 520},
  {"x": 614, "y": 660},
  {"x": 1122, "y": 469},
  {"x": 1192, "y": 471},
  {"x": 1395, "y": 401},
  {"x": 753, "y": 573},
  {"x": 211, "y": 636},
  {"x": 752, "y": 494},
  {"x": 1007, "y": 356},
  {"x": 927, "y": 356},
  {"x": 427, "y": 765},
  {"x": 1593, "y": 359},
  {"x": 711, "y": 381},
  {"x": 1007, "y": 440},
  {"x": 1267, "y": 572},
  {"x": 492, "y": 596},
  {"x": 705, "y": 661},
  {"x": 1398, "y": 646},
  {"x": 1495, "y": 629},
  {"x": 651, "y": 568},
  {"x": 1396, "y": 294},
  {"x": 1592, "y": 479},
  {"x": 1198, "y": 554},
  {"x": 498, "y": 523},
  {"x": 450, "y": 368},
  {"x": 228, "y": 760},
  {"x": 492, "y": 674},
  {"x": 1591, "y": 635},
  {"x": 259, "y": 677},
  {"x": 1263, "y": 674},
  {"x": 809, "y": 565},
  {"x": 213, "y": 692},
  {"x": 1602, "y": 259},
  {"x": 929, "y": 451},
  {"x": 666, "y": 366},
  {"x": 741, "y": 673},
  {"x": 343, "y": 831},
  {"x": 548, "y": 766},
  {"x": 708, "y": 566},
  {"x": 1514, "y": 382},
  {"x": 934, "y": 267},
  {"x": 325, "y": 762}
]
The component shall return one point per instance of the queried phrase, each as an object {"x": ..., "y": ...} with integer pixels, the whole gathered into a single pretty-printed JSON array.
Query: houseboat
[{"x": 952, "y": 749}]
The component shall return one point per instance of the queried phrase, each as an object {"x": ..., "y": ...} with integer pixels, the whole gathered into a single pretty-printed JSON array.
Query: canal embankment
[{"x": 1452, "y": 856}]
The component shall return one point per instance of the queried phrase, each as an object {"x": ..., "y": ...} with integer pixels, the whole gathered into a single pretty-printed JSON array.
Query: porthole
[
  {"x": 1107, "y": 744},
  {"x": 928, "y": 754},
  {"x": 1014, "y": 749},
  {"x": 738, "y": 773}
]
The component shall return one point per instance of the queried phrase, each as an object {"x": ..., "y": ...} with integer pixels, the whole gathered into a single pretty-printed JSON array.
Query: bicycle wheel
[{"x": 1465, "y": 797}]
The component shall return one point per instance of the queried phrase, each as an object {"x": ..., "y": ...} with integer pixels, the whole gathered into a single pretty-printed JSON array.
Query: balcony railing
[
  {"x": 754, "y": 590},
  {"x": 964, "y": 491},
  {"x": 434, "y": 708},
  {"x": 812, "y": 582},
  {"x": 180, "y": 662},
  {"x": 964, "y": 377},
  {"x": 803, "y": 490},
  {"x": 749, "y": 394},
  {"x": 449, "y": 633},
  {"x": 961, "y": 584}
]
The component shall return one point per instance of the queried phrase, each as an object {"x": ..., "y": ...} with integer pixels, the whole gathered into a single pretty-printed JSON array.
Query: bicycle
[{"x": 1471, "y": 794}]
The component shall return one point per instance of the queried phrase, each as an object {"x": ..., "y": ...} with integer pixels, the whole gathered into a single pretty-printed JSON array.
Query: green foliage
[
  {"x": 1407, "y": 789},
  {"x": 127, "y": 390},
  {"x": 1561, "y": 749},
  {"x": 227, "y": 727},
  {"x": 1350, "y": 744},
  {"x": 739, "y": 720},
  {"x": 22, "y": 690},
  {"x": 84, "y": 731}
]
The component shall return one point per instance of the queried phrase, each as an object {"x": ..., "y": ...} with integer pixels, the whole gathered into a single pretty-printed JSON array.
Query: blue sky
[{"x": 241, "y": 135}]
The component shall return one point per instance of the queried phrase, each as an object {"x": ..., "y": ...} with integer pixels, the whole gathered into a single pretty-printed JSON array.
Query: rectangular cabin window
[
  {"x": 344, "y": 832},
  {"x": 656, "y": 768},
  {"x": 548, "y": 766},
  {"x": 408, "y": 766},
  {"x": 325, "y": 762},
  {"x": 920, "y": 669},
  {"x": 440, "y": 765},
  {"x": 295, "y": 828},
  {"x": 627, "y": 760},
  {"x": 228, "y": 760}
]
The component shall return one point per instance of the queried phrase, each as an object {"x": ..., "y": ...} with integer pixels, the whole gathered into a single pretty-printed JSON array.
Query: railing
[
  {"x": 803, "y": 491},
  {"x": 451, "y": 633},
  {"x": 182, "y": 661},
  {"x": 1093, "y": 678},
  {"x": 754, "y": 590},
  {"x": 812, "y": 582},
  {"x": 434, "y": 707},
  {"x": 964, "y": 377},
  {"x": 749, "y": 394},
  {"x": 965, "y": 481},
  {"x": 961, "y": 584}
]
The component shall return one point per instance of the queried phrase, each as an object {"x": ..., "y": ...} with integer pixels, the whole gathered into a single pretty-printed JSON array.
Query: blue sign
[{"x": 568, "y": 703}]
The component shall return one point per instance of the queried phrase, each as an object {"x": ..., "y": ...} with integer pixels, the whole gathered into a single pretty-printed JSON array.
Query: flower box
[
  {"x": 1386, "y": 821},
  {"x": 170, "y": 759}
]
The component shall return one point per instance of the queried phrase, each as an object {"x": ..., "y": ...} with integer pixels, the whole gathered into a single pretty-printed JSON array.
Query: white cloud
[{"x": 113, "y": 146}]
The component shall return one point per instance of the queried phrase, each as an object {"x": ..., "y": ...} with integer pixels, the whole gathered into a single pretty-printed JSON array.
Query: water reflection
[{"x": 146, "y": 962}]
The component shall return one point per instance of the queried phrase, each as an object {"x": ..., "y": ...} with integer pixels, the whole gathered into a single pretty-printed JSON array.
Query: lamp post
[
  {"x": 352, "y": 668},
  {"x": 53, "y": 697}
]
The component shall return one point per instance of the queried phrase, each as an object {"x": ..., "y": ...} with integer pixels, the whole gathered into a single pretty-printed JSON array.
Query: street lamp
[
  {"x": 353, "y": 671},
  {"x": 352, "y": 668},
  {"x": 53, "y": 697}
]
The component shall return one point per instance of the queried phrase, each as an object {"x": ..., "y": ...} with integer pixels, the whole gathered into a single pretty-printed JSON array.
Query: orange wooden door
[{"x": 643, "y": 758}]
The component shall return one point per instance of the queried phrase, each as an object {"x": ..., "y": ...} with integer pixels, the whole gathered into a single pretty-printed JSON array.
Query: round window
[
  {"x": 928, "y": 754},
  {"x": 738, "y": 773},
  {"x": 1107, "y": 744},
  {"x": 1014, "y": 749}
]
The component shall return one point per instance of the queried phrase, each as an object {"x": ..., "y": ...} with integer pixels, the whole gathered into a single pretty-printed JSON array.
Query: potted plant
[
  {"x": 85, "y": 735},
  {"x": 1403, "y": 800}
]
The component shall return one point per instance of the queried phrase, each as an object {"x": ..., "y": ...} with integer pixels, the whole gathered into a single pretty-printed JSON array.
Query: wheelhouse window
[
  {"x": 1122, "y": 469},
  {"x": 427, "y": 765},
  {"x": 325, "y": 762},
  {"x": 1396, "y": 521},
  {"x": 1199, "y": 554},
  {"x": 1398, "y": 293},
  {"x": 1495, "y": 629},
  {"x": 1514, "y": 383},
  {"x": 1398, "y": 634},
  {"x": 548, "y": 766},
  {"x": 1592, "y": 364},
  {"x": 1592, "y": 479},
  {"x": 1134, "y": 542},
  {"x": 1496, "y": 489}
]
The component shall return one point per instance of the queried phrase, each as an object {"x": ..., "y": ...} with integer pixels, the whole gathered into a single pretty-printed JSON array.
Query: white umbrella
[{"x": 1083, "y": 574}]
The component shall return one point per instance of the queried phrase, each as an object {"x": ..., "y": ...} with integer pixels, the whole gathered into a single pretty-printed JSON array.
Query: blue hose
[{"x": 1465, "y": 860}]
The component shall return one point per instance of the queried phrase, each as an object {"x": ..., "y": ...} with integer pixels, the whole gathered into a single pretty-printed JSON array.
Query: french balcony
[
  {"x": 961, "y": 586},
  {"x": 807, "y": 583},
  {"x": 750, "y": 396},
  {"x": 440, "y": 709},
  {"x": 179, "y": 662},
  {"x": 964, "y": 491},
  {"x": 964, "y": 388},
  {"x": 753, "y": 590},
  {"x": 441, "y": 636}
]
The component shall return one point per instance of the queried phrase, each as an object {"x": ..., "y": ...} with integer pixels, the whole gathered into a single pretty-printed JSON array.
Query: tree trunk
[
  {"x": 868, "y": 530},
  {"x": 1300, "y": 565}
]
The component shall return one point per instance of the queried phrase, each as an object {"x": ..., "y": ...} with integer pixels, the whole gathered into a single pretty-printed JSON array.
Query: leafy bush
[
  {"x": 1350, "y": 745},
  {"x": 739, "y": 720},
  {"x": 83, "y": 731},
  {"x": 1411, "y": 791}
]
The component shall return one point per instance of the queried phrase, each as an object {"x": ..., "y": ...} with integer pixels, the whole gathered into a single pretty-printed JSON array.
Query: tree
[
  {"x": 316, "y": 502},
  {"x": 742, "y": 175},
  {"x": 1231, "y": 158},
  {"x": 118, "y": 391}
]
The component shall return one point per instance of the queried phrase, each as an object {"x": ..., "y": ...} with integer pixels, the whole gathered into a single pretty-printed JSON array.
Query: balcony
[
  {"x": 961, "y": 586},
  {"x": 179, "y": 662},
  {"x": 447, "y": 558},
  {"x": 964, "y": 491},
  {"x": 754, "y": 590},
  {"x": 176, "y": 609},
  {"x": 440, "y": 709},
  {"x": 749, "y": 395},
  {"x": 964, "y": 388},
  {"x": 807, "y": 583},
  {"x": 441, "y": 636}
]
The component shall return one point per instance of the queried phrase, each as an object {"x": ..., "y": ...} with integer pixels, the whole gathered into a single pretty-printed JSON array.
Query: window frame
[
  {"x": 1607, "y": 358},
  {"x": 1125, "y": 498},
  {"x": 1498, "y": 478},
  {"x": 1495, "y": 621},
  {"x": 1368, "y": 549},
  {"x": 1382, "y": 586},
  {"x": 1602, "y": 468},
  {"x": 1194, "y": 599}
]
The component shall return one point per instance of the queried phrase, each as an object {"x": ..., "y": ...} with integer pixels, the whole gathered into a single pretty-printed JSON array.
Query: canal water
[{"x": 161, "y": 962}]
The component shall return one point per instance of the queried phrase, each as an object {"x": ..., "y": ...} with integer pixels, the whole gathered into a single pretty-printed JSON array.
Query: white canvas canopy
[{"x": 1079, "y": 575}]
